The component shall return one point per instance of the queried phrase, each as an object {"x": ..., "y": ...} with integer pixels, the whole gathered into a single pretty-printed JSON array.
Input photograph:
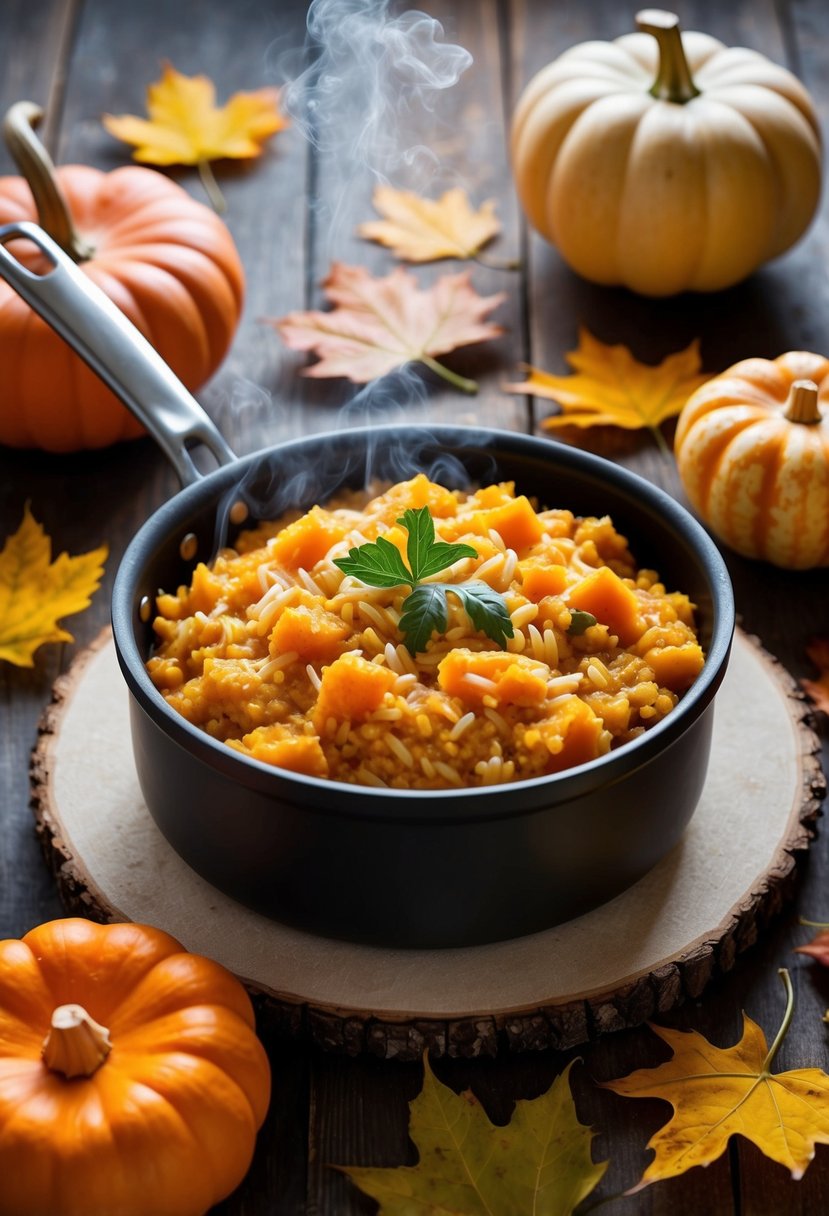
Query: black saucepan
[{"x": 408, "y": 868}]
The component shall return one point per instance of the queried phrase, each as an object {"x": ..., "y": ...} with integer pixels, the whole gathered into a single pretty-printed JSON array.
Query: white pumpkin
[{"x": 666, "y": 162}]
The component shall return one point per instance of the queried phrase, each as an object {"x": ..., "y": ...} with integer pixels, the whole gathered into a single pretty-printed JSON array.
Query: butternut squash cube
[
  {"x": 537, "y": 582},
  {"x": 675, "y": 667},
  {"x": 316, "y": 635},
  {"x": 306, "y": 540},
  {"x": 611, "y": 602},
  {"x": 297, "y": 753},
  {"x": 351, "y": 687},
  {"x": 517, "y": 523},
  {"x": 509, "y": 679},
  {"x": 572, "y": 736}
]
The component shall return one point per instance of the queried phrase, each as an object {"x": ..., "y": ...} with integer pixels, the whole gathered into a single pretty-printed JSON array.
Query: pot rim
[{"x": 473, "y": 802}]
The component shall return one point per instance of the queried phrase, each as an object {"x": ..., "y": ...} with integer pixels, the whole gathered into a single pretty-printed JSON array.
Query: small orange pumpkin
[
  {"x": 131, "y": 1079},
  {"x": 752, "y": 447},
  {"x": 166, "y": 260}
]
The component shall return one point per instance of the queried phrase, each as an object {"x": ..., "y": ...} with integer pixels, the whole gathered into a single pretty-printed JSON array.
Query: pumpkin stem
[
  {"x": 36, "y": 166},
  {"x": 673, "y": 77},
  {"x": 801, "y": 403},
  {"x": 76, "y": 1044}
]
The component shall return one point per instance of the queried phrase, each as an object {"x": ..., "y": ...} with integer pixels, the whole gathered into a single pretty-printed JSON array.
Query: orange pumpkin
[
  {"x": 131, "y": 1079},
  {"x": 752, "y": 447},
  {"x": 166, "y": 260}
]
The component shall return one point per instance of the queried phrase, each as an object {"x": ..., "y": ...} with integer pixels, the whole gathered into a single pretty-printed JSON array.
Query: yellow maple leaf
[
  {"x": 424, "y": 230},
  {"x": 35, "y": 592},
  {"x": 186, "y": 127},
  {"x": 612, "y": 388},
  {"x": 539, "y": 1162},
  {"x": 718, "y": 1092}
]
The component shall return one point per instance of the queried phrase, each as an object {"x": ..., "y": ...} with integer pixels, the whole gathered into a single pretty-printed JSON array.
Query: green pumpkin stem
[
  {"x": 35, "y": 164},
  {"x": 801, "y": 403},
  {"x": 673, "y": 78}
]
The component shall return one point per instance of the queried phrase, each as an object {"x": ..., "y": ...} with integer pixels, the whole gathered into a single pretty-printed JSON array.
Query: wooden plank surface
[{"x": 91, "y": 56}]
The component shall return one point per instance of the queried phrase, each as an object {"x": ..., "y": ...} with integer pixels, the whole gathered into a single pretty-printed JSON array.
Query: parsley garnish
[
  {"x": 380, "y": 564},
  {"x": 579, "y": 622}
]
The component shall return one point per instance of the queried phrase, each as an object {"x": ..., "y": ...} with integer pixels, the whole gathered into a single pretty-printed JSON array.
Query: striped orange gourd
[{"x": 752, "y": 447}]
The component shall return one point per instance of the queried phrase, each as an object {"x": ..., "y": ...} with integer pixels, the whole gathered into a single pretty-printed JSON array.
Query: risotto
[{"x": 276, "y": 652}]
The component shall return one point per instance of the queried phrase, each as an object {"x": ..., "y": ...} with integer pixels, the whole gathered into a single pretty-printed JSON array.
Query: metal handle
[{"x": 116, "y": 351}]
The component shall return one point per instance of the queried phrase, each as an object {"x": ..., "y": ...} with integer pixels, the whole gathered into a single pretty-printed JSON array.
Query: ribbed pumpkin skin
[
  {"x": 167, "y": 1123},
  {"x": 760, "y": 481},
  {"x": 166, "y": 260},
  {"x": 659, "y": 196}
]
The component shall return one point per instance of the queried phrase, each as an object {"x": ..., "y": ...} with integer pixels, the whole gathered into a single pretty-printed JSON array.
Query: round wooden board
[{"x": 636, "y": 956}]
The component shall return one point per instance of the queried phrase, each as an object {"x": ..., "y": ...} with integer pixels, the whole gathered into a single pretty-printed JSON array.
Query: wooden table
[{"x": 291, "y": 213}]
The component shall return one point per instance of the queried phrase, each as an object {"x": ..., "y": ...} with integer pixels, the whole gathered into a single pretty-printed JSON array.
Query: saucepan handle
[{"x": 98, "y": 331}]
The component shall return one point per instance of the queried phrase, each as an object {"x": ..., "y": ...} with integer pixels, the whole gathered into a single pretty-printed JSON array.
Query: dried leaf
[
  {"x": 35, "y": 592},
  {"x": 720, "y": 1092},
  {"x": 379, "y": 324},
  {"x": 186, "y": 127},
  {"x": 540, "y": 1162},
  {"x": 818, "y": 690},
  {"x": 612, "y": 388},
  {"x": 818, "y": 947},
  {"x": 423, "y": 230}
]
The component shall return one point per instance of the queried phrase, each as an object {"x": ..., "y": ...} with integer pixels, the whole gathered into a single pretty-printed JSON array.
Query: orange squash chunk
[
  {"x": 351, "y": 687},
  {"x": 571, "y": 737},
  {"x": 611, "y": 602},
  {"x": 316, "y": 635},
  {"x": 540, "y": 581},
  {"x": 675, "y": 667},
  {"x": 306, "y": 540},
  {"x": 517, "y": 523},
  {"x": 510, "y": 679},
  {"x": 297, "y": 753}
]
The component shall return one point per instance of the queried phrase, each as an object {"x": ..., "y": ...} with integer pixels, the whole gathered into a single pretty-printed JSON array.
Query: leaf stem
[
  {"x": 784, "y": 1025},
  {"x": 211, "y": 187},
  {"x": 497, "y": 263},
  {"x": 461, "y": 382},
  {"x": 661, "y": 442},
  {"x": 813, "y": 924}
]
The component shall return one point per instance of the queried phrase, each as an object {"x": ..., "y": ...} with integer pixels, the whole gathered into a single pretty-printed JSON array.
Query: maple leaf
[
  {"x": 818, "y": 947},
  {"x": 539, "y": 1162},
  {"x": 379, "y": 324},
  {"x": 36, "y": 591},
  {"x": 186, "y": 127},
  {"x": 818, "y": 690},
  {"x": 423, "y": 230},
  {"x": 612, "y": 388},
  {"x": 720, "y": 1092}
]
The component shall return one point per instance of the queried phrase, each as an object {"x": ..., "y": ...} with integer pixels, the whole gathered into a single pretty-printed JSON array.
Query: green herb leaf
[
  {"x": 426, "y": 555},
  {"x": 486, "y": 610},
  {"x": 424, "y": 613},
  {"x": 579, "y": 622},
  {"x": 377, "y": 564}
]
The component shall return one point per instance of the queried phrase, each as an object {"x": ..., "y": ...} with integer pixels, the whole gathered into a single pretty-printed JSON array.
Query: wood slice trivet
[{"x": 636, "y": 956}]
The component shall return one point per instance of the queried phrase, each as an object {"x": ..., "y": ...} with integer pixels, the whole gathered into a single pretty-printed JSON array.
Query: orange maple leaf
[
  {"x": 186, "y": 127},
  {"x": 818, "y": 947},
  {"x": 424, "y": 230},
  {"x": 818, "y": 690},
  {"x": 379, "y": 324},
  {"x": 36, "y": 591},
  {"x": 610, "y": 387},
  {"x": 720, "y": 1092}
]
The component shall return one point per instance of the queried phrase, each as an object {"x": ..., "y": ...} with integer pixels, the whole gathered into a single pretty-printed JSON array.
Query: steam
[
  {"x": 371, "y": 71},
  {"x": 365, "y": 93}
]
